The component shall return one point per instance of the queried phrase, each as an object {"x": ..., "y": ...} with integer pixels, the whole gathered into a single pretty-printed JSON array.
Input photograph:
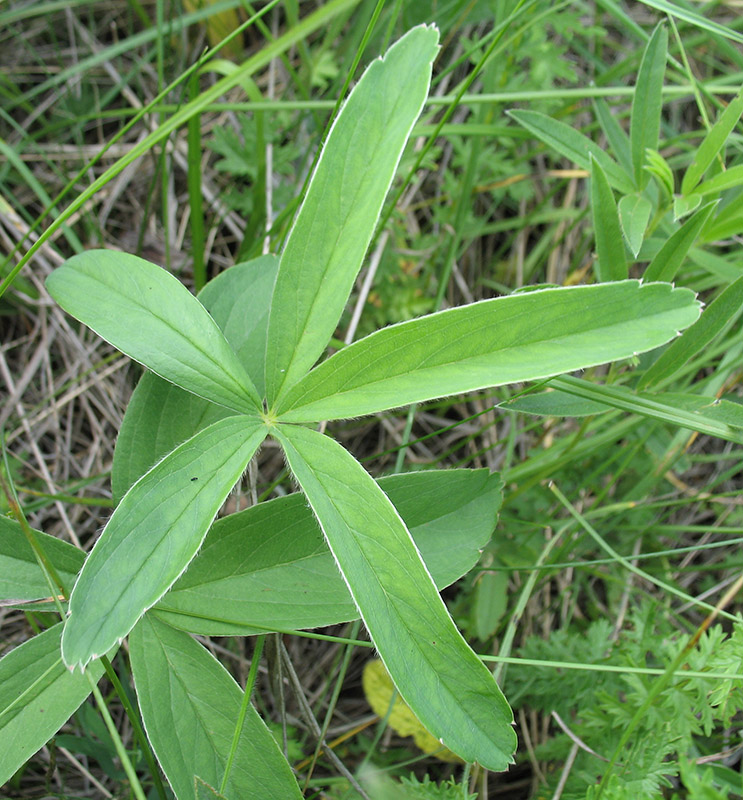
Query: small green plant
[{"x": 237, "y": 366}]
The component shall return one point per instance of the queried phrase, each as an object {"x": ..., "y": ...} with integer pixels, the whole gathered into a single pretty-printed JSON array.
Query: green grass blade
[
  {"x": 669, "y": 258},
  {"x": 38, "y": 694},
  {"x": 694, "y": 19},
  {"x": 521, "y": 337},
  {"x": 439, "y": 677},
  {"x": 648, "y": 102},
  {"x": 328, "y": 241},
  {"x": 712, "y": 144},
  {"x": 716, "y": 318},
  {"x": 155, "y": 531},
  {"x": 150, "y": 316},
  {"x": 182, "y": 688},
  {"x": 573, "y": 145},
  {"x": 615, "y": 134},
  {"x": 450, "y": 514},
  {"x": 611, "y": 262},
  {"x": 692, "y": 412}
]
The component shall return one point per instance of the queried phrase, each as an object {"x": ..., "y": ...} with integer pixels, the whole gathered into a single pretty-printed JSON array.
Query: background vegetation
[{"x": 619, "y": 530}]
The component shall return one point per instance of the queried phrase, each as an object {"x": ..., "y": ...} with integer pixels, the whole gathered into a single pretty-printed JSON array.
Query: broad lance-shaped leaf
[
  {"x": 612, "y": 264},
  {"x": 647, "y": 102},
  {"x": 255, "y": 564},
  {"x": 332, "y": 231},
  {"x": 150, "y": 316},
  {"x": 38, "y": 694},
  {"x": 182, "y": 689},
  {"x": 448, "y": 688},
  {"x": 153, "y": 534},
  {"x": 521, "y": 337},
  {"x": 713, "y": 142}
]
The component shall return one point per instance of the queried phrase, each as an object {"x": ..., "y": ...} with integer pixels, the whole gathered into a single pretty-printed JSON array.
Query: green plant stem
[
  {"x": 249, "y": 685},
  {"x": 118, "y": 744},
  {"x": 195, "y": 202}
]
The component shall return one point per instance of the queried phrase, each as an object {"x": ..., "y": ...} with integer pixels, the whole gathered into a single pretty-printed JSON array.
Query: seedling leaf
[{"x": 612, "y": 264}]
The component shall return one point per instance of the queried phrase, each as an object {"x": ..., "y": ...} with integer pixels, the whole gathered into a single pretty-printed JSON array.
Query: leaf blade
[
  {"x": 150, "y": 316},
  {"x": 453, "y": 694},
  {"x": 521, "y": 337},
  {"x": 180, "y": 686},
  {"x": 647, "y": 102},
  {"x": 332, "y": 231},
  {"x": 141, "y": 553},
  {"x": 611, "y": 264},
  {"x": 246, "y": 579},
  {"x": 38, "y": 694}
]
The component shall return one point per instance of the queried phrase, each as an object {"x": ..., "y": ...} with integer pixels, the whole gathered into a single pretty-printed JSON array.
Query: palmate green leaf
[
  {"x": 190, "y": 706},
  {"x": 21, "y": 578},
  {"x": 647, "y": 102},
  {"x": 332, "y": 231},
  {"x": 160, "y": 416},
  {"x": 153, "y": 534},
  {"x": 671, "y": 255},
  {"x": 150, "y": 316},
  {"x": 573, "y": 145},
  {"x": 724, "y": 310},
  {"x": 634, "y": 214},
  {"x": 611, "y": 264},
  {"x": 712, "y": 144},
  {"x": 516, "y": 338},
  {"x": 448, "y": 688},
  {"x": 255, "y": 564},
  {"x": 38, "y": 694}
]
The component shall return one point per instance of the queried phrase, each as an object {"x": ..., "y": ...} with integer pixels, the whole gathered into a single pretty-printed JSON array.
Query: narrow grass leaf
[
  {"x": 155, "y": 531},
  {"x": 728, "y": 222},
  {"x": 190, "y": 706},
  {"x": 21, "y": 577},
  {"x": 38, "y": 694},
  {"x": 150, "y": 316},
  {"x": 712, "y": 144},
  {"x": 702, "y": 414},
  {"x": 724, "y": 310},
  {"x": 448, "y": 688},
  {"x": 634, "y": 215},
  {"x": 648, "y": 102},
  {"x": 516, "y": 338},
  {"x": 730, "y": 179},
  {"x": 615, "y": 134},
  {"x": 611, "y": 264},
  {"x": 160, "y": 415},
  {"x": 328, "y": 241},
  {"x": 255, "y": 564},
  {"x": 573, "y": 145},
  {"x": 694, "y": 19},
  {"x": 671, "y": 255}
]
